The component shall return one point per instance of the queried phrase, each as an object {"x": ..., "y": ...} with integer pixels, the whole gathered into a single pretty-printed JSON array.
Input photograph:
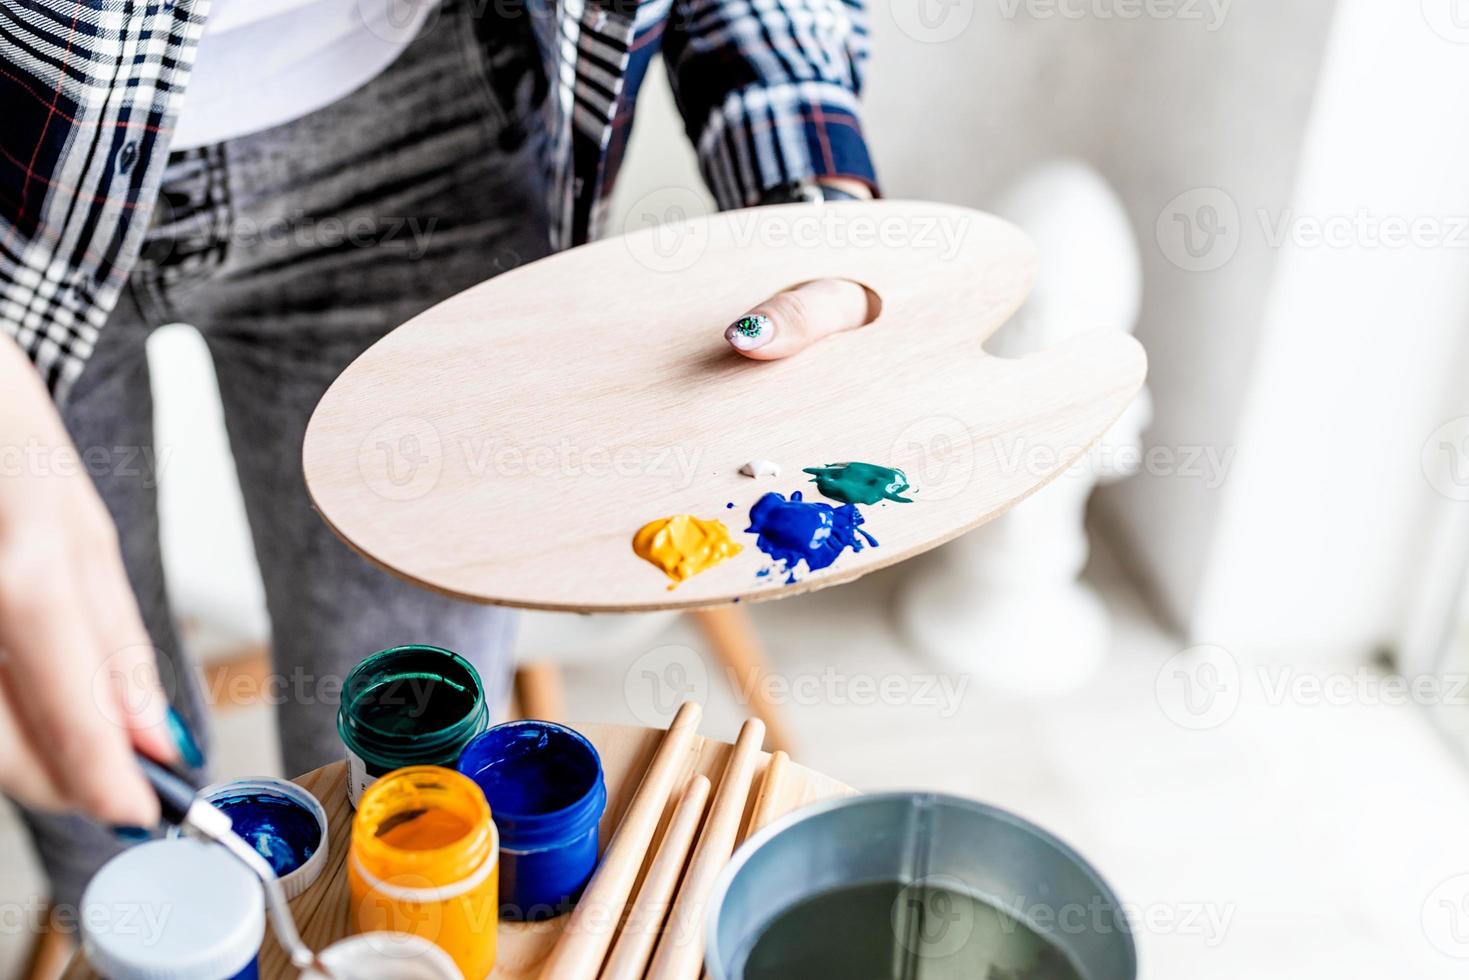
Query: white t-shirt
[{"x": 262, "y": 63}]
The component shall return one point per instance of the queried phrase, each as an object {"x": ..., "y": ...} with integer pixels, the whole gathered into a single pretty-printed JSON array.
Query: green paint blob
[{"x": 860, "y": 483}]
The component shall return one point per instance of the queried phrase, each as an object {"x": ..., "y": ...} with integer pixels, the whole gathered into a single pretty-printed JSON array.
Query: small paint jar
[
  {"x": 424, "y": 859},
  {"x": 386, "y": 956},
  {"x": 408, "y": 706},
  {"x": 281, "y": 820},
  {"x": 545, "y": 788},
  {"x": 173, "y": 909}
]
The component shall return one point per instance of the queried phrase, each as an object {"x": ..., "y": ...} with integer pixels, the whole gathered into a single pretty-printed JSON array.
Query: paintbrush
[{"x": 182, "y": 806}]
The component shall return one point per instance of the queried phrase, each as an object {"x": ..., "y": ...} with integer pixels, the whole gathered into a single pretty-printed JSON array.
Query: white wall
[
  {"x": 1324, "y": 530},
  {"x": 213, "y": 581}
]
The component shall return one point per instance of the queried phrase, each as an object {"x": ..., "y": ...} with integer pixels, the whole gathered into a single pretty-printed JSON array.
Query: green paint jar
[{"x": 408, "y": 706}]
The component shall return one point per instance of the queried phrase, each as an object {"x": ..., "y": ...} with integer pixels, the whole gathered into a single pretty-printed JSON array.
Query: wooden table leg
[
  {"x": 539, "y": 692},
  {"x": 736, "y": 645}
]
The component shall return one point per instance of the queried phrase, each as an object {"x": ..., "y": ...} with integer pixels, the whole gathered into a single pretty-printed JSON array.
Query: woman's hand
[
  {"x": 78, "y": 682},
  {"x": 793, "y": 320}
]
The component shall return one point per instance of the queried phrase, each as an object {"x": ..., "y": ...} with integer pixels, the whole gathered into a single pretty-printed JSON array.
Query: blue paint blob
[
  {"x": 283, "y": 831},
  {"x": 795, "y": 530},
  {"x": 546, "y": 793}
]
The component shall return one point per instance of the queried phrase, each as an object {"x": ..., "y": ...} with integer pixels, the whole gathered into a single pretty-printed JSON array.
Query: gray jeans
[{"x": 292, "y": 251}]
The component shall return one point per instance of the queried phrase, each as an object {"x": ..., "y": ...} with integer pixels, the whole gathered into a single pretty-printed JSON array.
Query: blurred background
[{"x": 1235, "y": 672}]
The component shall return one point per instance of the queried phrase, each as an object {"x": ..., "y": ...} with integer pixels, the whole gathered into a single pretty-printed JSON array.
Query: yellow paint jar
[{"x": 425, "y": 860}]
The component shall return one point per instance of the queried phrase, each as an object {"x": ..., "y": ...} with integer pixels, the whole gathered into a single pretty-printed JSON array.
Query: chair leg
[
  {"x": 735, "y": 644},
  {"x": 539, "y": 691},
  {"x": 50, "y": 952},
  {"x": 239, "y": 680}
]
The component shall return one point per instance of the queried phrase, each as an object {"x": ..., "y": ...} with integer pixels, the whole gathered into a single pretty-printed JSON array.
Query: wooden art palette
[{"x": 507, "y": 445}]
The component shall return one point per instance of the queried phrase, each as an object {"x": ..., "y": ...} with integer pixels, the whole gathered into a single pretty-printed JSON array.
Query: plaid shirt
[{"x": 90, "y": 91}]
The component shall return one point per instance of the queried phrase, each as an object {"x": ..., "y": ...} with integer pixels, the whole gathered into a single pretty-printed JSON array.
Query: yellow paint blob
[{"x": 683, "y": 545}]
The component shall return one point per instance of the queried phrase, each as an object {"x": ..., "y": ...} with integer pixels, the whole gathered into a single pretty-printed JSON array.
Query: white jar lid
[
  {"x": 387, "y": 956},
  {"x": 176, "y": 909}
]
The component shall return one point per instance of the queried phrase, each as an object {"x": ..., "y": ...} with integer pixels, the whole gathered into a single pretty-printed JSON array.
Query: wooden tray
[
  {"x": 505, "y": 445},
  {"x": 321, "y": 912}
]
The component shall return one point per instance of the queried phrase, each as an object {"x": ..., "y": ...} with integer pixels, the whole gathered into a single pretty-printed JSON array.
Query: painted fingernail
[
  {"x": 184, "y": 740},
  {"x": 131, "y": 835},
  {"x": 750, "y": 332}
]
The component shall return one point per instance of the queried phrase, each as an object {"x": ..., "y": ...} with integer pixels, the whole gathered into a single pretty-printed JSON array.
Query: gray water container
[{"x": 914, "y": 839}]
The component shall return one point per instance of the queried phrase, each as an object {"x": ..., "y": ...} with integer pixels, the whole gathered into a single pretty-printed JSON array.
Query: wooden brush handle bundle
[{"x": 661, "y": 937}]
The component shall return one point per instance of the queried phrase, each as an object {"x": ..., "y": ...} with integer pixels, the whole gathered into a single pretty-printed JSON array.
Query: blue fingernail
[
  {"x": 133, "y": 835},
  {"x": 184, "y": 741}
]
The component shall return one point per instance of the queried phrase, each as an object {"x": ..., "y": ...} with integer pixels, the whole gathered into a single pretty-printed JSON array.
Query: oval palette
[{"x": 508, "y": 444}]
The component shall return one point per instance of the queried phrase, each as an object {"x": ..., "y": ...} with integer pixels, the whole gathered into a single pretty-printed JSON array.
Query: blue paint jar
[
  {"x": 173, "y": 909},
  {"x": 282, "y": 821},
  {"x": 546, "y": 793}
]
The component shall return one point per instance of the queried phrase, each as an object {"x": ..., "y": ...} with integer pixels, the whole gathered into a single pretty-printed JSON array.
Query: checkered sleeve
[
  {"x": 768, "y": 91},
  {"x": 88, "y": 92}
]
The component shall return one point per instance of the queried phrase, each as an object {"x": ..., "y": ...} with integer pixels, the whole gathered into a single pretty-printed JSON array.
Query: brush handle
[
  {"x": 175, "y": 793},
  {"x": 578, "y": 954},
  {"x": 680, "y": 952},
  {"x": 635, "y": 943},
  {"x": 768, "y": 797}
]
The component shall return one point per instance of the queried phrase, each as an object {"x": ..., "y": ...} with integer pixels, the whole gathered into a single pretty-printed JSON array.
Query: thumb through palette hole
[
  {"x": 874, "y": 299},
  {"x": 874, "y": 302}
]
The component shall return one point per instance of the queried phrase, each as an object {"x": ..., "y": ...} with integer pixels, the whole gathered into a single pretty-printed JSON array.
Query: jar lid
[
  {"x": 177, "y": 909},
  {"x": 387, "y": 954}
]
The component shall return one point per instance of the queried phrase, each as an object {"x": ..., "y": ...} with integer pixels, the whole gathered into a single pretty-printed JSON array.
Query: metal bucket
[{"x": 923, "y": 844}]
